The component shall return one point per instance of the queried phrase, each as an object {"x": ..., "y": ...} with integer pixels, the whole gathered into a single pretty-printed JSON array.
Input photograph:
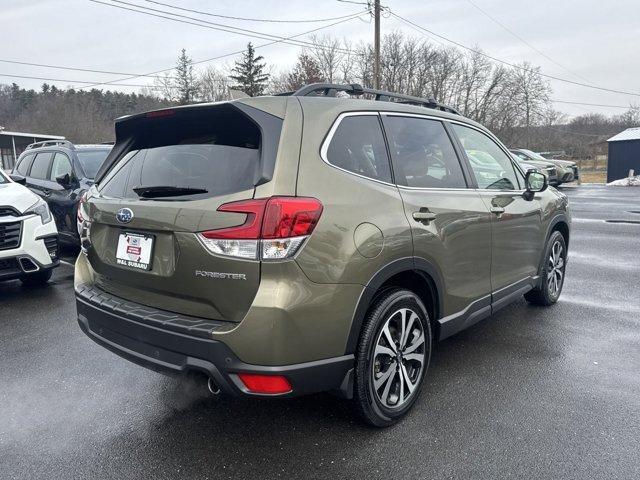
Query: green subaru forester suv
[{"x": 286, "y": 245}]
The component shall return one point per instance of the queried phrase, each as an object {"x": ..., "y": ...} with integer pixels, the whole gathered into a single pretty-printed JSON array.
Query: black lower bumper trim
[
  {"x": 10, "y": 268},
  {"x": 171, "y": 352}
]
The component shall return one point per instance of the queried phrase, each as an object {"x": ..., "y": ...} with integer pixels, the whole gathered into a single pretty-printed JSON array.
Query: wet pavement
[{"x": 529, "y": 393}]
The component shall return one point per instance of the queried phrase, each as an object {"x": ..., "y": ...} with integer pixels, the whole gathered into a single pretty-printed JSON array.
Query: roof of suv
[
  {"x": 276, "y": 105},
  {"x": 66, "y": 144}
]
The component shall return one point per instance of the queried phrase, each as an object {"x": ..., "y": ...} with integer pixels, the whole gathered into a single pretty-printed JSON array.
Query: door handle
[
  {"x": 424, "y": 216},
  {"x": 497, "y": 210}
]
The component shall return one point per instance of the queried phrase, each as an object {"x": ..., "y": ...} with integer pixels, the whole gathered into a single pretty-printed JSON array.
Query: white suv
[{"x": 28, "y": 234}]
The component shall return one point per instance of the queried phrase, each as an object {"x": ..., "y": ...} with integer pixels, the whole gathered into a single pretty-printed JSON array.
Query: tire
[
  {"x": 552, "y": 272},
  {"x": 384, "y": 392},
  {"x": 36, "y": 279}
]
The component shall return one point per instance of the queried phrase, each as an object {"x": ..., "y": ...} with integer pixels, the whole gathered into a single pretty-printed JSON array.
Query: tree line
[{"x": 515, "y": 103}]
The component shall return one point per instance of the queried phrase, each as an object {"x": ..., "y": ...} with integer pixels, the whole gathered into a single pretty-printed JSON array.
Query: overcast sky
[{"x": 594, "y": 40}]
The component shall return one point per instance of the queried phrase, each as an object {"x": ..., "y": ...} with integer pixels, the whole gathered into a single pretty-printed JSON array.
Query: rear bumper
[{"x": 111, "y": 322}]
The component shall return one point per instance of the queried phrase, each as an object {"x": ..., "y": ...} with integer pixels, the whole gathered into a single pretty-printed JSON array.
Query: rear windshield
[
  {"x": 217, "y": 151},
  {"x": 91, "y": 160}
]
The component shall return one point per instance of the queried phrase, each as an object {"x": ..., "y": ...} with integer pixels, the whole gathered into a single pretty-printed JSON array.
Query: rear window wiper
[{"x": 167, "y": 191}]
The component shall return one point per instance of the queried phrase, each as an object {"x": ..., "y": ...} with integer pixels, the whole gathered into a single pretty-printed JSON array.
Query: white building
[{"x": 12, "y": 144}]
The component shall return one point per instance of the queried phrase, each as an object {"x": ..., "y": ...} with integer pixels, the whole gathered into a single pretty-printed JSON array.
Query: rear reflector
[{"x": 266, "y": 384}]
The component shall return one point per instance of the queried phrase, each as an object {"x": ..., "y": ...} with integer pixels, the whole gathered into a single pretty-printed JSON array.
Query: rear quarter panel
[{"x": 356, "y": 209}]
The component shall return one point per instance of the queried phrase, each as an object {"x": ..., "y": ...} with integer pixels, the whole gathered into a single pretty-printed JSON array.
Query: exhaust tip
[
  {"x": 213, "y": 386},
  {"x": 28, "y": 265}
]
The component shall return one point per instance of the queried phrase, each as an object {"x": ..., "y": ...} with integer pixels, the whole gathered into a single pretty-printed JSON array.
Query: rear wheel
[
  {"x": 392, "y": 357},
  {"x": 552, "y": 275},
  {"x": 39, "y": 278}
]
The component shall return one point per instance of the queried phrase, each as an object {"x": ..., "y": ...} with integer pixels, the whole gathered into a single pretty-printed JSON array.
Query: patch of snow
[{"x": 633, "y": 181}]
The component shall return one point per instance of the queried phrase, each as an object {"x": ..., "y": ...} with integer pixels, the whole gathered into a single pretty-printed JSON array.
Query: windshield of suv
[
  {"x": 91, "y": 160},
  {"x": 534, "y": 155}
]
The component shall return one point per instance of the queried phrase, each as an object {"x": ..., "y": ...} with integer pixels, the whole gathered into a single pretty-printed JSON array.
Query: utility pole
[{"x": 376, "y": 43}]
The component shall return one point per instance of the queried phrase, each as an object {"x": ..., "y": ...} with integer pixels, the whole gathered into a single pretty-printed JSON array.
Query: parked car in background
[
  {"x": 28, "y": 235},
  {"x": 60, "y": 172},
  {"x": 567, "y": 171},
  {"x": 286, "y": 245},
  {"x": 548, "y": 169}
]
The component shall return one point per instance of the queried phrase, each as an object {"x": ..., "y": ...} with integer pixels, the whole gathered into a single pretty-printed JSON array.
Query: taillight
[
  {"x": 274, "y": 228},
  {"x": 265, "y": 384}
]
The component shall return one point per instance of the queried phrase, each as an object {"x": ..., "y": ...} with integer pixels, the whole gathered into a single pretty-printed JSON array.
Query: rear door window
[
  {"x": 358, "y": 146},
  {"x": 40, "y": 167},
  {"x": 422, "y": 153}
]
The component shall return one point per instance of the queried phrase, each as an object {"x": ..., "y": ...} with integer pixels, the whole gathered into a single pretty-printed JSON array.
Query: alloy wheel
[
  {"x": 398, "y": 358},
  {"x": 555, "y": 269}
]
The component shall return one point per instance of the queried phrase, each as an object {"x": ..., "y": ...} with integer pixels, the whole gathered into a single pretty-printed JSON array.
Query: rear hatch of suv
[{"x": 158, "y": 199}]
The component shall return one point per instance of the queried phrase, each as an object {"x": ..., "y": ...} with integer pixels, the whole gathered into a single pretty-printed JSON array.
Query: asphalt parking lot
[{"x": 528, "y": 393}]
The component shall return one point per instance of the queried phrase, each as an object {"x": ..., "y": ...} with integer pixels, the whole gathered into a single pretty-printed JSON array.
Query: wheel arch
[{"x": 413, "y": 273}]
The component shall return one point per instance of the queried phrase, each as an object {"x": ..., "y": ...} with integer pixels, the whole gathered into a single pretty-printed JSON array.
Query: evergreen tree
[
  {"x": 249, "y": 73},
  {"x": 185, "y": 83}
]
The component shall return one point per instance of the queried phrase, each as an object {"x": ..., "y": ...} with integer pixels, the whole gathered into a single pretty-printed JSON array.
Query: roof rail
[
  {"x": 51, "y": 143},
  {"x": 330, "y": 90}
]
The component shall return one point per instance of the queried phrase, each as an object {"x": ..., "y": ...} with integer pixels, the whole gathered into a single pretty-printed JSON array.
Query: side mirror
[
  {"x": 534, "y": 182},
  {"x": 64, "y": 180},
  {"x": 18, "y": 178}
]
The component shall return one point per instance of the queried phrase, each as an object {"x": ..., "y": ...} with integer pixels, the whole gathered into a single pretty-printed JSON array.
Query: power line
[
  {"x": 207, "y": 24},
  {"x": 77, "y": 69},
  {"x": 261, "y": 20},
  {"x": 503, "y": 26},
  {"x": 237, "y": 52},
  {"x": 590, "y": 104},
  {"x": 512, "y": 65},
  {"x": 64, "y": 80}
]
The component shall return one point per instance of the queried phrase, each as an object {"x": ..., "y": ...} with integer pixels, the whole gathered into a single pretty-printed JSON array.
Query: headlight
[{"x": 40, "y": 208}]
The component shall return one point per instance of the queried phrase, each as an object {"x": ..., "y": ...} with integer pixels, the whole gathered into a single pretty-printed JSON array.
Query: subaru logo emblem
[{"x": 124, "y": 215}]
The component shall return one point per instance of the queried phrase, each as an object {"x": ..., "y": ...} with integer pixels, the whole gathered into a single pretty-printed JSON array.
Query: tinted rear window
[
  {"x": 422, "y": 153},
  {"x": 216, "y": 150},
  {"x": 91, "y": 160},
  {"x": 358, "y": 146}
]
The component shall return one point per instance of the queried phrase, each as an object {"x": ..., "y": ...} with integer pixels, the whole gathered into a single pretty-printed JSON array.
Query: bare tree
[
  {"x": 214, "y": 85},
  {"x": 328, "y": 55}
]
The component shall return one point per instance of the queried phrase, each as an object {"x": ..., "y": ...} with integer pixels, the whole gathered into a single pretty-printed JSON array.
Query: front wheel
[
  {"x": 552, "y": 275},
  {"x": 392, "y": 357}
]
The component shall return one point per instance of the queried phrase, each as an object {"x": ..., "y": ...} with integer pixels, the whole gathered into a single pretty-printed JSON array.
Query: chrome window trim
[
  {"x": 327, "y": 140},
  {"x": 446, "y": 189}
]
